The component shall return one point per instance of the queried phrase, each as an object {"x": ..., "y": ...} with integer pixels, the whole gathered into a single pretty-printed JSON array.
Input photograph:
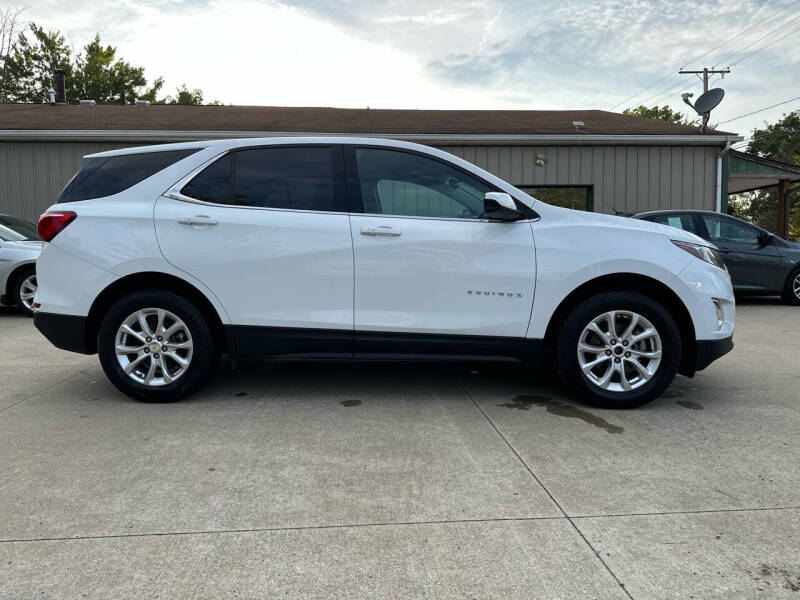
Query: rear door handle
[
  {"x": 198, "y": 220},
  {"x": 380, "y": 230}
]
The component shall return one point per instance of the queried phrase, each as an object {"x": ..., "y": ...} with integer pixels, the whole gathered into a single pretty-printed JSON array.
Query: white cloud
[{"x": 456, "y": 53}]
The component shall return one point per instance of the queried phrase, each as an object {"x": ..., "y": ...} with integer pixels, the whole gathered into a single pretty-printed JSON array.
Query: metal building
[{"x": 592, "y": 160}]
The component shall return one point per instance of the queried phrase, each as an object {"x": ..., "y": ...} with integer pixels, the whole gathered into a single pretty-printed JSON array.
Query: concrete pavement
[{"x": 340, "y": 479}]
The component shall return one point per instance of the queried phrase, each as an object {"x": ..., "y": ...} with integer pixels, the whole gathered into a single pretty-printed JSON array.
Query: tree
[
  {"x": 659, "y": 113},
  {"x": 28, "y": 59},
  {"x": 28, "y": 68},
  {"x": 186, "y": 96},
  {"x": 98, "y": 75},
  {"x": 779, "y": 141}
]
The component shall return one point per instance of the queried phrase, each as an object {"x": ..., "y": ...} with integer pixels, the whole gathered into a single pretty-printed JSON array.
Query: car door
[
  {"x": 267, "y": 230},
  {"x": 753, "y": 265},
  {"x": 432, "y": 275}
]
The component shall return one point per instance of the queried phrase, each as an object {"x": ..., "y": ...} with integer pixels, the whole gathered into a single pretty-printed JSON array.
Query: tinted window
[
  {"x": 399, "y": 183},
  {"x": 298, "y": 178},
  {"x": 105, "y": 176},
  {"x": 17, "y": 230},
  {"x": 212, "y": 184},
  {"x": 721, "y": 229},
  {"x": 685, "y": 222}
]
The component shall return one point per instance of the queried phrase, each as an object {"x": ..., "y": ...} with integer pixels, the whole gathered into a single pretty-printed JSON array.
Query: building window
[{"x": 578, "y": 197}]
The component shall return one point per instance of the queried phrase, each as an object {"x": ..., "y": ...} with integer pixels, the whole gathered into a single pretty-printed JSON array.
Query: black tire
[
  {"x": 16, "y": 288},
  {"x": 204, "y": 359},
  {"x": 567, "y": 349},
  {"x": 789, "y": 296}
]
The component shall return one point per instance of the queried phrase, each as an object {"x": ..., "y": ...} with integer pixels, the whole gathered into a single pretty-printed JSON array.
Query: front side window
[
  {"x": 721, "y": 229},
  {"x": 400, "y": 183},
  {"x": 108, "y": 175}
]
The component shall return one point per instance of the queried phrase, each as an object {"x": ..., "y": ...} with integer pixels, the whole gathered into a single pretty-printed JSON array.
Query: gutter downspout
[{"x": 718, "y": 203}]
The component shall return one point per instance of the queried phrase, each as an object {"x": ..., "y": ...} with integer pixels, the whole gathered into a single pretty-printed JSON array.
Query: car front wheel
[
  {"x": 791, "y": 290},
  {"x": 618, "y": 349},
  {"x": 156, "y": 346}
]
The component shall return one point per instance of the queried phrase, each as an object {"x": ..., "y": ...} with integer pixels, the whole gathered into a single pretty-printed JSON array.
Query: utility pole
[{"x": 705, "y": 73}]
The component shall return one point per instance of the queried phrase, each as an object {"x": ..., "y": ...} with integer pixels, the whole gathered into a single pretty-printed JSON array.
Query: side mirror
[
  {"x": 499, "y": 206},
  {"x": 766, "y": 239}
]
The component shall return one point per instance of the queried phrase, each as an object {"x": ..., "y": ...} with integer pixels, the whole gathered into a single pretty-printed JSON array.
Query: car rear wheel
[
  {"x": 791, "y": 291},
  {"x": 156, "y": 346},
  {"x": 618, "y": 350},
  {"x": 23, "y": 289}
]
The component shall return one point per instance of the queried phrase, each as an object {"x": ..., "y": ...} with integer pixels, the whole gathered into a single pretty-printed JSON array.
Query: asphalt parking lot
[{"x": 336, "y": 479}]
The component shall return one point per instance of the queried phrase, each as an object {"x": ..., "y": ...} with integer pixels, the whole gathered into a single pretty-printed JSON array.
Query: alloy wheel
[
  {"x": 796, "y": 286},
  {"x": 619, "y": 351},
  {"x": 154, "y": 347},
  {"x": 27, "y": 291}
]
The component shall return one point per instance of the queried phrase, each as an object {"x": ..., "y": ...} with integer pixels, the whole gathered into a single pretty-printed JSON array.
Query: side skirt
[{"x": 245, "y": 340}]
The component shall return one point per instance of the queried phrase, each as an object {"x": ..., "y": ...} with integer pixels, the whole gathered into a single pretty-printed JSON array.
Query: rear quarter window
[{"x": 105, "y": 176}]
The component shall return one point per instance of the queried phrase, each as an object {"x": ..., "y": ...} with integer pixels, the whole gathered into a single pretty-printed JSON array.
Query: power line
[
  {"x": 759, "y": 110},
  {"x": 671, "y": 73},
  {"x": 741, "y": 60},
  {"x": 751, "y": 44}
]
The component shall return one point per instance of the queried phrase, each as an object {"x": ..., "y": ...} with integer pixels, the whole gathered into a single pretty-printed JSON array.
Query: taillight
[{"x": 52, "y": 222}]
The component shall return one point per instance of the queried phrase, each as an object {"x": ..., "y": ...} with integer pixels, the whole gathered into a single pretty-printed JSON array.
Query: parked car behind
[
  {"x": 19, "y": 248},
  {"x": 162, "y": 258},
  {"x": 760, "y": 263}
]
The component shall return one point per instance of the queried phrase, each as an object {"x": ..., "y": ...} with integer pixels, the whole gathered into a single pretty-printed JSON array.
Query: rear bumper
[
  {"x": 67, "y": 332},
  {"x": 710, "y": 350}
]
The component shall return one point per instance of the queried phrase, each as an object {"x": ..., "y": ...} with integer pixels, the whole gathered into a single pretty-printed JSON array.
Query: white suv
[{"x": 163, "y": 258}]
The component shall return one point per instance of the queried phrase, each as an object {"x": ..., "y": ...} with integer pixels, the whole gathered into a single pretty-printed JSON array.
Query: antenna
[{"x": 705, "y": 103}]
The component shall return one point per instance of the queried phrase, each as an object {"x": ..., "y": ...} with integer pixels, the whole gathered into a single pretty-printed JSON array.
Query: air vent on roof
[
  {"x": 578, "y": 125},
  {"x": 142, "y": 103},
  {"x": 88, "y": 102}
]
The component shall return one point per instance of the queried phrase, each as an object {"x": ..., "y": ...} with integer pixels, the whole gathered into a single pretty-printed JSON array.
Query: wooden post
[{"x": 783, "y": 208}]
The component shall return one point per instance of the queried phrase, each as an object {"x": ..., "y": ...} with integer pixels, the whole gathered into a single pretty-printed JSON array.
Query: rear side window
[
  {"x": 296, "y": 178},
  {"x": 212, "y": 184},
  {"x": 685, "y": 222},
  {"x": 105, "y": 176}
]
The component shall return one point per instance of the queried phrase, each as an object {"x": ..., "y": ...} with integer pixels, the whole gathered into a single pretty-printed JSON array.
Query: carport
[{"x": 749, "y": 172}]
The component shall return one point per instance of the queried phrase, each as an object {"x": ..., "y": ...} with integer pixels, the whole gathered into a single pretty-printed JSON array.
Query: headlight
[{"x": 705, "y": 253}]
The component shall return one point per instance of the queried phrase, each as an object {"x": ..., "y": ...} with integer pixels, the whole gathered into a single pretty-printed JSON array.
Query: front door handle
[
  {"x": 198, "y": 220},
  {"x": 381, "y": 230}
]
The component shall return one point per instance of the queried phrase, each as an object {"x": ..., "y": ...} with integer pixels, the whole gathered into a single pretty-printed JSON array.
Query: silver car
[{"x": 19, "y": 248}]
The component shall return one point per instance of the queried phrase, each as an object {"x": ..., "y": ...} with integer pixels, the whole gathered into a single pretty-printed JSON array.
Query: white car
[
  {"x": 19, "y": 248},
  {"x": 161, "y": 258}
]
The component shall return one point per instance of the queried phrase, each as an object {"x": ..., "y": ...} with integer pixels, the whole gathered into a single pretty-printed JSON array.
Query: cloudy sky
[{"x": 533, "y": 54}]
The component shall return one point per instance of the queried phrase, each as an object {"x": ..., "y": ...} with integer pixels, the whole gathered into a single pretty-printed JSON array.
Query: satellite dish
[{"x": 709, "y": 101}]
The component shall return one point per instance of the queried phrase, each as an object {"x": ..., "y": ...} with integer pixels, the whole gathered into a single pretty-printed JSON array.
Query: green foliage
[
  {"x": 186, "y": 96},
  {"x": 28, "y": 70},
  {"x": 95, "y": 73},
  {"x": 659, "y": 113},
  {"x": 779, "y": 141}
]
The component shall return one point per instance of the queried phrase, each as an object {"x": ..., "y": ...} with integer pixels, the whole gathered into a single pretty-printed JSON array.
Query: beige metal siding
[
  {"x": 625, "y": 178},
  {"x": 33, "y": 173}
]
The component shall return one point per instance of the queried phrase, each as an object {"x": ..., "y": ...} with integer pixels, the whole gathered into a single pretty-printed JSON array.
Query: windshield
[{"x": 16, "y": 230}]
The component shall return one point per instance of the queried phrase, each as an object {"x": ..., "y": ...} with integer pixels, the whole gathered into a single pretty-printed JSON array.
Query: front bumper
[
  {"x": 67, "y": 332},
  {"x": 710, "y": 350}
]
